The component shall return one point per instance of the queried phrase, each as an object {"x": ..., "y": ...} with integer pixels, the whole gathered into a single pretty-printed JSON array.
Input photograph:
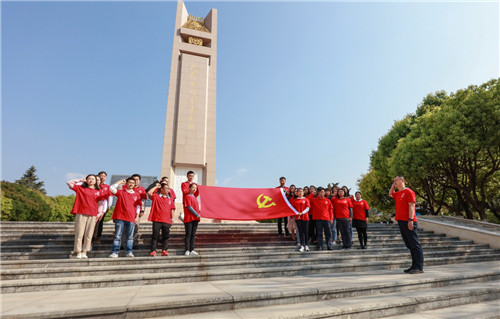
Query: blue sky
[{"x": 304, "y": 90}]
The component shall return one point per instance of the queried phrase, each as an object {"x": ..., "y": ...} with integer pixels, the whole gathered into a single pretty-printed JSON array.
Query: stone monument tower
[{"x": 189, "y": 142}]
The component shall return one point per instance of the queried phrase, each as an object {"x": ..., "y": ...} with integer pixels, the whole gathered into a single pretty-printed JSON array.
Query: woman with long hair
[
  {"x": 360, "y": 219},
  {"x": 85, "y": 210},
  {"x": 191, "y": 219}
]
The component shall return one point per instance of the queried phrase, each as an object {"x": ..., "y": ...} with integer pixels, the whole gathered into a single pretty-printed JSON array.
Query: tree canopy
[
  {"x": 30, "y": 180},
  {"x": 448, "y": 151}
]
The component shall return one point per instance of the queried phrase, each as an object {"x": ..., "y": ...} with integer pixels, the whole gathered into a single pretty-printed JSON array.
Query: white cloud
[
  {"x": 240, "y": 171},
  {"x": 70, "y": 176}
]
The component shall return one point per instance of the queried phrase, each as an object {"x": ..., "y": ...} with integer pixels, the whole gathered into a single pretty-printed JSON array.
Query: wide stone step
[
  {"x": 484, "y": 310},
  {"x": 229, "y": 253},
  {"x": 115, "y": 280},
  {"x": 186, "y": 264},
  {"x": 364, "y": 294},
  {"x": 222, "y": 239},
  {"x": 102, "y": 252},
  {"x": 378, "y": 306},
  {"x": 31, "y": 246}
]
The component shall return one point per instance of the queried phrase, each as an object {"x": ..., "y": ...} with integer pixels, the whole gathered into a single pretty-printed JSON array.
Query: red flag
[{"x": 244, "y": 203}]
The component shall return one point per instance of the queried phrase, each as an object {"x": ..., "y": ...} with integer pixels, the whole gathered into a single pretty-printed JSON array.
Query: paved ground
[{"x": 73, "y": 302}]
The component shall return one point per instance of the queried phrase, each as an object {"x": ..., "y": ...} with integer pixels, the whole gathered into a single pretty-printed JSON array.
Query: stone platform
[{"x": 244, "y": 271}]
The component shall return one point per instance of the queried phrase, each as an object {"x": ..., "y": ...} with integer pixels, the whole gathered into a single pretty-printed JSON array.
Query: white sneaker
[
  {"x": 334, "y": 243},
  {"x": 186, "y": 253},
  {"x": 307, "y": 248},
  {"x": 194, "y": 253},
  {"x": 79, "y": 256},
  {"x": 301, "y": 249},
  {"x": 84, "y": 256},
  {"x": 113, "y": 255},
  {"x": 130, "y": 255}
]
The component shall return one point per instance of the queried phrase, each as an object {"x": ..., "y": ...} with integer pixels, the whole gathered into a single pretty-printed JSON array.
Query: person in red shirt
[
  {"x": 161, "y": 216},
  {"x": 164, "y": 179},
  {"x": 360, "y": 214},
  {"x": 323, "y": 215},
  {"x": 312, "y": 224},
  {"x": 104, "y": 206},
  {"x": 333, "y": 229},
  {"x": 186, "y": 186},
  {"x": 407, "y": 220},
  {"x": 125, "y": 215},
  {"x": 302, "y": 205},
  {"x": 343, "y": 215},
  {"x": 85, "y": 209},
  {"x": 191, "y": 219},
  {"x": 283, "y": 220}
]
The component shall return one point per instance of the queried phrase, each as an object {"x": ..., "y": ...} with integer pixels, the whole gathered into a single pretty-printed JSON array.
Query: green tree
[
  {"x": 6, "y": 206},
  {"x": 60, "y": 208},
  {"x": 30, "y": 180},
  {"x": 456, "y": 147},
  {"x": 27, "y": 204}
]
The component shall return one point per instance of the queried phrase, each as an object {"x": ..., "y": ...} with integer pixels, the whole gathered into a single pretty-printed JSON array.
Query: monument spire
[{"x": 189, "y": 142}]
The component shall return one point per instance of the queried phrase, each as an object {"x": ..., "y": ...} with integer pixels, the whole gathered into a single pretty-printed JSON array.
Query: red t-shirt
[
  {"x": 85, "y": 201},
  {"x": 341, "y": 207},
  {"x": 190, "y": 200},
  {"x": 322, "y": 209},
  {"x": 403, "y": 199},
  {"x": 126, "y": 205},
  {"x": 300, "y": 204},
  {"x": 185, "y": 190},
  {"x": 139, "y": 189},
  {"x": 161, "y": 210},
  {"x": 105, "y": 193},
  {"x": 172, "y": 194},
  {"x": 359, "y": 208}
]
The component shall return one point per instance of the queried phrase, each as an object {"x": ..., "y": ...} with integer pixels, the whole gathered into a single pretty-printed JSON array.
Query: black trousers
[
  {"x": 303, "y": 226},
  {"x": 312, "y": 229},
  {"x": 165, "y": 235},
  {"x": 410, "y": 237},
  {"x": 345, "y": 230},
  {"x": 361, "y": 230},
  {"x": 190, "y": 229},
  {"x": 323, "y": 226},
  {"x": 98, "y": 229},
  {"x": 283, "y": 220}
]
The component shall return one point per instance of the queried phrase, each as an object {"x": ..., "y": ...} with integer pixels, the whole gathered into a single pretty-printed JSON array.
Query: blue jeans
[
  {"x": 333, "y": 229},
  {"x": 119, "y": 226}
]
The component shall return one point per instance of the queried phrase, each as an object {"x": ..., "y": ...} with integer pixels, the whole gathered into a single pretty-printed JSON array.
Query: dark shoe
[
  {"x": 407, "y": 270},
  {"x": 361, "y": 247},
  {"x": 415, "y": 271},
  {"x": 364, "y": 247}
]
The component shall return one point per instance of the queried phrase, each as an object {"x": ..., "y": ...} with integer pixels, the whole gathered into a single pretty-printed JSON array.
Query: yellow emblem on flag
[{"x": 264, "y": 203}]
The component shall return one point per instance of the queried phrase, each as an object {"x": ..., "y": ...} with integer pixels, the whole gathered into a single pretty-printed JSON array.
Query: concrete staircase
[{"x": 243, "y": 271}]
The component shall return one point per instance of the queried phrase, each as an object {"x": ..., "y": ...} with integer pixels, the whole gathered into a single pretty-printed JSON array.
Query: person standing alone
[{"x": 407, "y": 221}]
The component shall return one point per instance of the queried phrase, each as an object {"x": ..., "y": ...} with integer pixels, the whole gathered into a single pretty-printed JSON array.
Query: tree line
[
  {"x": 449, "y": 153},
  {"x": 26, "y": 200}
]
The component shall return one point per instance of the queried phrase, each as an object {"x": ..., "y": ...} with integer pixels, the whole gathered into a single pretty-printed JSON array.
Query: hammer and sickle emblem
[{"x": 264, "y": 204}]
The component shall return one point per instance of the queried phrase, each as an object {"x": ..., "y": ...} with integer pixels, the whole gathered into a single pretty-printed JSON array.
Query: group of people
[
  {"x": 332, "y": 211},
  {"x": 94, "y": 198},
  {"x": 324, "y": 211},
  {"x": 320, "y": 212}
]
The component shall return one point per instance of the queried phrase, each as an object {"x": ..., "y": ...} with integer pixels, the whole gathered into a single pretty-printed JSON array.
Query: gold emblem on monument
[
  {"x": 196, "y": 41},
  {"x": 195, "y": 23}
]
